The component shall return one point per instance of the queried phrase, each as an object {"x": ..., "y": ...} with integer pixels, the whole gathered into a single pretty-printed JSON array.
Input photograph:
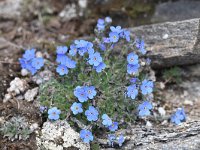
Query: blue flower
[
  {"x": 132, "y": 58},
  {"x": 117, "y": 29},
  {"x": 80, "y": 43},
  {"x": 132, "y": 91},
  {"x": 114, "y": 37},
  {"x": 126, "y": 35},
  {"x": 62, "y": 70},
  {"x": 100, "y": 67},
  {"x": 148, "y": 61},
  {"x": 179, "y": 116},
  {"x": 106, "y": 40},
  {"x": 100, "y": 24},
  {"x": 73, "y": 50},
  {"x": 144, "y": 109},
  {"x": 54, "y": 113},
  {"x": 132, "y": 69},
  {"x": 113, "y": 127},
  {"x": 108, "y": 19},
  {"x": 61, "y": 49},
  {"x": 106, "y": 120},
  {"x": 95, "y": 59},
  {"x": 146, "y": 87},
  {"x": 134, "y": 80},
  {"x": 30, "y": 62},
  {"x": 37, "y": 63},
  {"x": 29, "y": 54},
  {"x": 91, "y": 92},
  {"x": 81, "y": 94},
  {"x": 86, "y": 136},
  {"x": 30, "y": 68},
  {"x": 120, "y": 140},
  {"x": 82, "y": 51},
  {"x": 102, "y": 46},
  {"x": 91, "y": 114},
  {"x": 90, "y": 48},
  {"x": 76, "y": 108},
  {"x": 42, "y": 108},
  {"x": 140, "y": 46},
  {"x": 62, "y": 59},
  {"x": 23, "y": 63},
  {"x": 70, "y": 63},
  {"x": 111, "y": 139}
]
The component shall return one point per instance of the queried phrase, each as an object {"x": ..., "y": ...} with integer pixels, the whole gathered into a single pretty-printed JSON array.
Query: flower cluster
[
  {"x": 30, "y": 62},
  {"x": 117, "y": 33},
  {"x": 140, "y": 45},
  {"x": 82, "y": 47},
  {"x": 133, "y": 63},
  {"x": 112, "y": 138},
  {"x": 101, "y": 23},
  {"x": 179, "y": 116},
  {"x": 64, "y": 61},
  {"x": 146, "y": 87},
  {"x": 83, "y": 94}
]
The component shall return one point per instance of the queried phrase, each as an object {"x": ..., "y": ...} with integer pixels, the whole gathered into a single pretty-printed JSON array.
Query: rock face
[
  {"x": 10, "y": 9},
  {"x": 176, "y": 11},
  {"x": 171, "y": 43},
  {"x": 174, "y": 138},
  {"x": 31, "y": 94},
  {"x": 59, "y": 135}
]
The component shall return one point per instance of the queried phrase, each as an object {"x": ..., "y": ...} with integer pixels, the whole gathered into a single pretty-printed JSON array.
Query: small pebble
[
  {"x": 24, "y": 72},
  {"x": 31, "y": 94},
  {"x": 165, "y": 36},
  {"x": 188, "y": 102},
  {"x": 148, "y": 124},
  {"x": 39, "y": 54},
  {"x": 161, "y": 111},
  {"x": 162, "y": 85}
]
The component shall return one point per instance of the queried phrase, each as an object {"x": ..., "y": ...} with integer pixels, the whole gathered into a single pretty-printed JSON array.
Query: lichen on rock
[{"x": 59, "y": 135}]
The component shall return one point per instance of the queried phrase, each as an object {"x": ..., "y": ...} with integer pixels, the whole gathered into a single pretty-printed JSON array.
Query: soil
[{"x": 22, "y": 108}]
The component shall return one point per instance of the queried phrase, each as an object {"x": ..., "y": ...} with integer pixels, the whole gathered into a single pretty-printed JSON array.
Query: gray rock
[
  {"x": 68, "y": 13},
  {"x": 31, "y": 94},
  {"x": 10, "y": 9},
  {"x": 176, "y": 11},
  {"x": 171, "y": 43},
  {"x": 181, "y": 137}
]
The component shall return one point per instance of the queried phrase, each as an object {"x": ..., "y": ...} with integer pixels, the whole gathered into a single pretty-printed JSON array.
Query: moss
[{"x": 172, "y": 75}]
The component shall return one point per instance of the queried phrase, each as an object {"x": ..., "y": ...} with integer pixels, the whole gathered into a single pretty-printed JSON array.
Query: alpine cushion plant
[{"x": 102, "y": 83}]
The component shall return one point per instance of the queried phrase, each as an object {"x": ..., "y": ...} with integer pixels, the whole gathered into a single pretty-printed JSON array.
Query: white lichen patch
[
  {"x": 42, "y": 77},
  {"x": 59, "y": 135}
]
